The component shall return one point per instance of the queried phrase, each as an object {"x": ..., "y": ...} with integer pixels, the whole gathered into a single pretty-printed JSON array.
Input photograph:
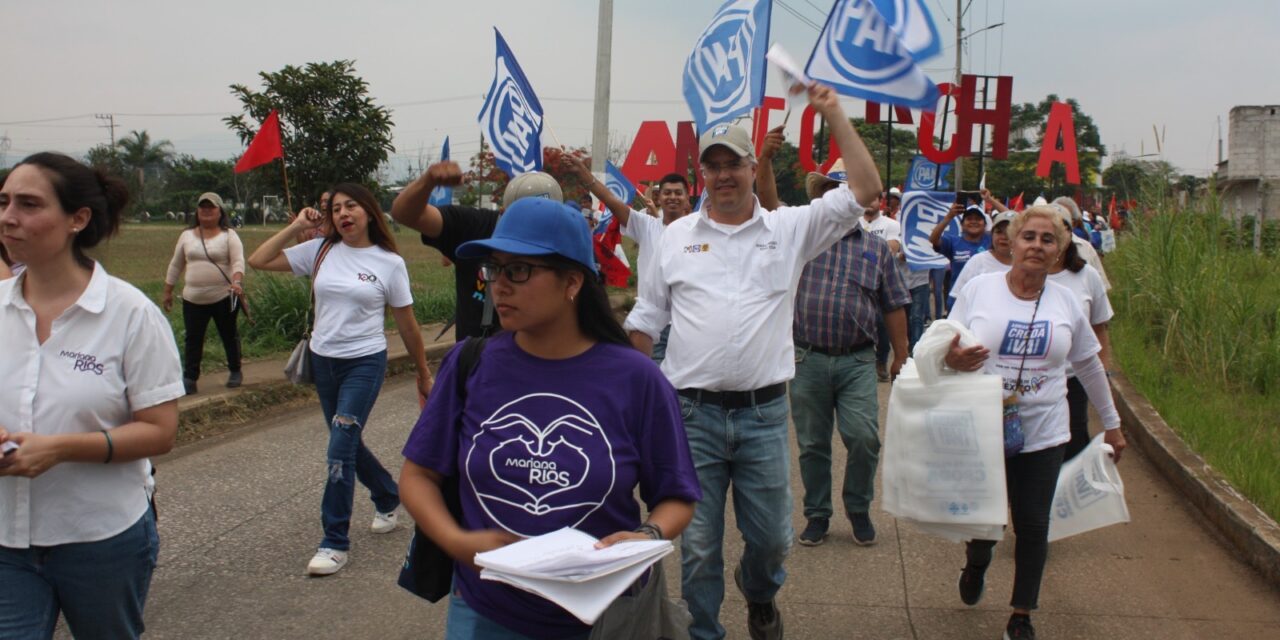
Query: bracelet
[
  {"x": 111, "y": 450},
  {"x": 652, "y": 530}
]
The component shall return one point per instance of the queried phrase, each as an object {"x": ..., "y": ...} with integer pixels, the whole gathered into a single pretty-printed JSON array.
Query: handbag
[
  {"x": 239, "y": 300},
  {"x": 297, "y": 369},
  {"x": 644, "y": 613},
  {"x": 427, "y": 571}
]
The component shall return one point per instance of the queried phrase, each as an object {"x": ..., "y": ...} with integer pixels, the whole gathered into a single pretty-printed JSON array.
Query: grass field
[
  {"x": 1197, "y": 329},
  {"x": 140, "y": 254}
]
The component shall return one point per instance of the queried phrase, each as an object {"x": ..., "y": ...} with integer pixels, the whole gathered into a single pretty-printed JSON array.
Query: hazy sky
[{"x": 165, "y": 66}]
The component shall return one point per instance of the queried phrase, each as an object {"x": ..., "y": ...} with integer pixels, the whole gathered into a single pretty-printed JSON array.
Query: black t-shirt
[{"x": 464, "y": 224}]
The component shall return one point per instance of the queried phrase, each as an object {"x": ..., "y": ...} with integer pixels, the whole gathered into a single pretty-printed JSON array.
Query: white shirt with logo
[
  {"x": 728, "y": 291},
  {"x": 109, "y": 355},
  {"x": 1060, "y": 335},
  {"x": 646, "y": 230},
  {"x": 354, "y": 287}
]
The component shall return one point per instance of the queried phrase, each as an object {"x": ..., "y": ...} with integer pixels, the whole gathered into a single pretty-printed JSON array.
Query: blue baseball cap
[{"x": 537, "y": 227}]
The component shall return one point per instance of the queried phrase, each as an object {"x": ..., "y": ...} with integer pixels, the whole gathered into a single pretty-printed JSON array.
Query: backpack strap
[{"x": 468, "y": 358}]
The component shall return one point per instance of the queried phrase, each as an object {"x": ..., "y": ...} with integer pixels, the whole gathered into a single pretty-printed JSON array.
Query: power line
[
  {"x": 799, "y": 16},
  {"x": 83, "y": 115}
]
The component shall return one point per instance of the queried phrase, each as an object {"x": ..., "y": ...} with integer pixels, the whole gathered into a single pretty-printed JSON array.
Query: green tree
[
  {"x": 484, "y": 177},
  {"x": 1129, "y": 177},
  {"x": 330, "y": 128},
  {"x": 905, "y": 146},
  {"x": 189, "y": 177},
  {"x": 140, "y": 157}
]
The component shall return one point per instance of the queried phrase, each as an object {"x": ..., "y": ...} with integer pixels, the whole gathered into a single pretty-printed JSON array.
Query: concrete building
[{"x": 1247, "y": 180}]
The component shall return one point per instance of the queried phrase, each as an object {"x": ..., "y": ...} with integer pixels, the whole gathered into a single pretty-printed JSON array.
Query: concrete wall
[{"x": 1254, "y": 142}]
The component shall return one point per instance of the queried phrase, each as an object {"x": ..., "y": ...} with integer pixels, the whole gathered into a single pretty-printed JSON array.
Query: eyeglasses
[
  {"x": 516, "y": 272},
  {"x": 716, "y": 169}
]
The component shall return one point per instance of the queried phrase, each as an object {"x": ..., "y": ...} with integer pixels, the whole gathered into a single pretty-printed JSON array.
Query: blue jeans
[
  {"x": 660, "y": 347},
  {"x": 465, "y": 623},
  {"x": 917, "y": 315},
  {"x": 836, "y": 391},
  {"x": 100, "y": 587},
  {"x": 747, "y": 448},
  {"x": 347, "y": 388},
  {"x": 938, "y": 277}
]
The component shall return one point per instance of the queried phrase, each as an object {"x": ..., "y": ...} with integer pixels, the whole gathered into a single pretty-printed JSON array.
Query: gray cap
[
  {"x": 534, "y": 184},
  {"x": 1003, "y": 217},
  {"x": 211, "y": 197},
  {"x": 729, "y": 136}
]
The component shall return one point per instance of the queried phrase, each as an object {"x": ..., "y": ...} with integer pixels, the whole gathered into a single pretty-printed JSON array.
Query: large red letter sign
[
  {"x": 653, "y": 140},
  {"x": 806, "y": 143},
  {"x": 760, "y": 119},
  {"x": 1061, "y": 123},
  {"x": 687, "y": 153},
  {"x": 959, "y": 140},
  {"x": 969, "y": 113}
]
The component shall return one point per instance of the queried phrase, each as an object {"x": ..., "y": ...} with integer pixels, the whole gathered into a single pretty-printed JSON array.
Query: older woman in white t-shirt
[
  {"x": 356, "y": 273},
  {"x": 1030, "y": 329},
  {"x": 209, "y": 258},
  {"x": 91, "y": 381}
]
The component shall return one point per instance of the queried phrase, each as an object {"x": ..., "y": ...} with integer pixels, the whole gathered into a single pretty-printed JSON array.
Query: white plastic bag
[
  {"x": 931, "y": 349},
  {"x": 943, "y": 456},
  {"x": 1090, "y": 493}
]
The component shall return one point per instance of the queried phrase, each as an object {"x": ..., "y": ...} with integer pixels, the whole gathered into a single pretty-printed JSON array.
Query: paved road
[{"x": 239, "y": 518}]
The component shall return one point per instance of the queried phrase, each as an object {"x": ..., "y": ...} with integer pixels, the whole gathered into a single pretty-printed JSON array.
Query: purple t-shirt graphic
[{"x": 546, "y": 444}]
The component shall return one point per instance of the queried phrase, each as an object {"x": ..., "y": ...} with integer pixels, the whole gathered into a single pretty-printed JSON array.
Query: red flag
[
  {"x": 1113, "y": 214},
  {"x": 1016, "y": 204},
  {"x": 615, "y": 271},
  {"x": 265, "y": 146}
]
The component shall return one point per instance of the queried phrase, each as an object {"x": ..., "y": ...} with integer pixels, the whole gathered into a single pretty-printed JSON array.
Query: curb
[
  {"x": 225, "y": 402},
  {"x": 1251, "y": 531}
]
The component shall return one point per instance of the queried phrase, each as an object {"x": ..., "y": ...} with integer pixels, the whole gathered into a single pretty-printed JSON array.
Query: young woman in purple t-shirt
[{"x": 561, "y": 422}]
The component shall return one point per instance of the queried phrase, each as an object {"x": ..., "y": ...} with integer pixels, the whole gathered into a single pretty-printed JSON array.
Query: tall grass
[{"x": 1197, "y": 328}]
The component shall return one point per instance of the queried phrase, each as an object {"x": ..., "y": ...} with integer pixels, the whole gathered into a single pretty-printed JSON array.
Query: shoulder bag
[{"x": 298, "y": 368}]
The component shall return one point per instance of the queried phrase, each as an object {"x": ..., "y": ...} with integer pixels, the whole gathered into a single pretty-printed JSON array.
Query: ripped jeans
[{"x": 347, "y": 388}]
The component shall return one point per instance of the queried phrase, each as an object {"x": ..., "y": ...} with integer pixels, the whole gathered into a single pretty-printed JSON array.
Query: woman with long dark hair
[
  {"x": 209, "y": 258},
  {"x": 356, "y": 273},
  {"x": 562, "y": 420},
  {"x": 91, "y": 382},
  {"x": 1030, "y": 330}
]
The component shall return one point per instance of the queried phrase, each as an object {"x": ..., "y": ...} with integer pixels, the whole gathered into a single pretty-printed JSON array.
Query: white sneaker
[
  {"x": 384, "y": 522},
  {"x": 327, "y": 562}
]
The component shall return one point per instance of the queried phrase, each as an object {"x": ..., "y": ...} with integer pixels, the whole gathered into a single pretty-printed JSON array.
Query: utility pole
[
  {"x": 604, "y": 64},
  {"x": 110, "y": 119},
  {"x": 959, "y": 170}
]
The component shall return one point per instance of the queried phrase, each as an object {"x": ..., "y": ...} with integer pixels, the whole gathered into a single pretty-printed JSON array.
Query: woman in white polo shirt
[
  {"x": 356, "y": 273},
  {"x": 91, "y": 381},
  {"x": 1030, "y": 329}
]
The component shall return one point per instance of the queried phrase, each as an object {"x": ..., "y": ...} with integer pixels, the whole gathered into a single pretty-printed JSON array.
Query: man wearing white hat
[{"x": 725, "y": 277}]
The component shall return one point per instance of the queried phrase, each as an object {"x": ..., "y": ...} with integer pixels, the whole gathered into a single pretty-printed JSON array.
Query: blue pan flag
[
  {"x": 512, "y": 116},
  {"x": 921, "y": 212},
  {"x": 860, "y": 55},
  {"x": 911, "y": 20},
  {"x": 441, "y": 196},
  {"x": 725, "y": 74},
  {"x": 617, "y": 183}
]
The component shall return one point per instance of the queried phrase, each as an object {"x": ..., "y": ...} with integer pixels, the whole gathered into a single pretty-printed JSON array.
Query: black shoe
[
  {"x": 864, "y": 533},
  {"x": 1019, "y": 628},
  {"x": 973, "y": 582},
  {"x": 815, "y": 532},
  {"x": 764, "y": 621},
  {"x": 234, "y": 379},
  {"x": 189, "y": 385}
]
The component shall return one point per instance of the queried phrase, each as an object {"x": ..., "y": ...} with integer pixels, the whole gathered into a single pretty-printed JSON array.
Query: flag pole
[{"x": 288, "y": 199}]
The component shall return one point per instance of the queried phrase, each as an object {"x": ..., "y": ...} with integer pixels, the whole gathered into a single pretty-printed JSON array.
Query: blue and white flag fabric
[
  {"x": 921, "y": 212},
  {"x": 441, "y": 196},
  {"x": 724, "y": 76},
  {"x": 602, "y": 225},
  {"x": 911, "y": 20},
  {"x": 618, "y": 184},
  {"x": 926, "y": 175},
  {"x": 512, "y": 116},
  {"x": 860, "y": 55}
]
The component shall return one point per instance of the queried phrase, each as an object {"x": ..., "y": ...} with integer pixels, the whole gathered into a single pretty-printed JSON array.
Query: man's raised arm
[
  {"x": 864, "y": 177},
  {"x": 621, "y": 210},
  {"x": 412, "y": 209}
]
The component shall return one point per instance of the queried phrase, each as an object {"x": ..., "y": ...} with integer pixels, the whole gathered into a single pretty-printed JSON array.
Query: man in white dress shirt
[{"x": 725, "y": 277}]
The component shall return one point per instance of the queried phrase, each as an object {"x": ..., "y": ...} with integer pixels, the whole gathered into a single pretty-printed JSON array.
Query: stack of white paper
[{"x": 565, "y": 567}]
